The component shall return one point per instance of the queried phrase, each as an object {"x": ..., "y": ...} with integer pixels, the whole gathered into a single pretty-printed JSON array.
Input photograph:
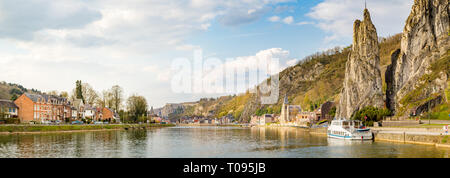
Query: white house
[
  {"x": 262, "y": 120},
  {"x": 9, "y": 108},
  {"x": 89, "y": 112}
]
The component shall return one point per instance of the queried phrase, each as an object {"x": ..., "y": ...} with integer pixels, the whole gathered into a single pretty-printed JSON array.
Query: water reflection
[{"x": 204, "y": 142}]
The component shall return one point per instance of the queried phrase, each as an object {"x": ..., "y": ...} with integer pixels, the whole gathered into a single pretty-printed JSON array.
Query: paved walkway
[
  {"x": 413, "y": 132},
  {"x": 417, "y": 131},
  {"x": 437, "y": 121}
]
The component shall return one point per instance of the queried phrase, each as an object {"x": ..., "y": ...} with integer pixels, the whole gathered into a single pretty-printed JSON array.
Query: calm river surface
[{"x": 209, "y": 142}]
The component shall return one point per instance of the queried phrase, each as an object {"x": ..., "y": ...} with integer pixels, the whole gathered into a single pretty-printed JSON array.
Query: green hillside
[
  {"x": 11, "y": 90},
  {"x": 315, "y": 80}
]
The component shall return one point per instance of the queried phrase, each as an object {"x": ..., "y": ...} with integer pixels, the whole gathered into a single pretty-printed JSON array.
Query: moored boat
[{"x": 349, "y": 129}]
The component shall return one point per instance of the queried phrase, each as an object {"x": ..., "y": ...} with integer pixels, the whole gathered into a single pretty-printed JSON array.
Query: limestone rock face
[
  {"x": 424, "y": 40},
  {"x": 362, "y": 83}
]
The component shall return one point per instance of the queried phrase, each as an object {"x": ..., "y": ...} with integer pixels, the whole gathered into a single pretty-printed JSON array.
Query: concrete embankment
[
  {"x": 414, "y": 137},
  {"x": 425, "y": 136}
]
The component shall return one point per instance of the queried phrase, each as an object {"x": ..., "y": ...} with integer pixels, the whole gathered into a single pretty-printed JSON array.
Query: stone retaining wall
[
  {"x": 429, "y": 130},
  {"x": 399, "y": 123},
  {"x": 437, "y": 140}
]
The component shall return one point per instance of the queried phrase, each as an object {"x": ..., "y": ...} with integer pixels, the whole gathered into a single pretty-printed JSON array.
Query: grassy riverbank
[{"x": 56, "y": 128}]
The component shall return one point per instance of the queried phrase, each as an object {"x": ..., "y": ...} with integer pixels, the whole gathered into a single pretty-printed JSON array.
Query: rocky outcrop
[
  {"x": 424, "y": 40},
  {"x": 362, "y": 83}
]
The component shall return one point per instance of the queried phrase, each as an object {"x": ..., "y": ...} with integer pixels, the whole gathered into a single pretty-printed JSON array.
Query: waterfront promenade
[{"x": 421, "y": 134}]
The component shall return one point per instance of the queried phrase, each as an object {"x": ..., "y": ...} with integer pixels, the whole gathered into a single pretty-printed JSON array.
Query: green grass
[
  {"x": 52, "y": 128},
  {"x": 442, "y": 112}
]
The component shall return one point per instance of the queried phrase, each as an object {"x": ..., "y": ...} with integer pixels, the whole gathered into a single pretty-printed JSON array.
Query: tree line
[{"x": 132, "y": 109}]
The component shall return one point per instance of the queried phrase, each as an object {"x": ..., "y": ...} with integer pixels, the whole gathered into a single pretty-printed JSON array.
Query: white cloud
[
  {"x": 292, "y": 62},
  {"x": 251, "y": 64},
  {"x": 49, "y": 44},
  {"x": 272, "y": 53},
  {"x": 187, "y": 47},
  {"x": 21, "y": 18},
  {"x": 336, "y": 17},
  {"x": 205, "y": 26},
  {"x": 274, "y": 19},
  {"x": 288, "y": 20},
  {"x": 305, "y": 23}
]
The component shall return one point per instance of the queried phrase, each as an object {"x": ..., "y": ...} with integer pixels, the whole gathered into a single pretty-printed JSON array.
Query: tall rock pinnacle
[
  {"x": 425, "y": 39},
  {"x": 362, "y": 83}
]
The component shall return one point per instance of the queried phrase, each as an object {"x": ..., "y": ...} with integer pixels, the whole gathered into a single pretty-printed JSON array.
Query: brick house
[
  {"x": 98, "y": 114},
  {"x": 38, "y": 108},
  {"x": 108, "y": 114}
]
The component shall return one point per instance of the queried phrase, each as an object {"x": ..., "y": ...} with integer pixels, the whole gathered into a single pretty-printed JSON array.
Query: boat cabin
[{"x": 346, "y": 124}]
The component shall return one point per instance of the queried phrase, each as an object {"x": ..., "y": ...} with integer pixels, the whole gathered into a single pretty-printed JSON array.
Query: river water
[{"x": 205, "y": 142}]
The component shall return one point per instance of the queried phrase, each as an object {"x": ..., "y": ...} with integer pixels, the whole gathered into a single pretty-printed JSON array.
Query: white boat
[{"x": 348, "y": 129}]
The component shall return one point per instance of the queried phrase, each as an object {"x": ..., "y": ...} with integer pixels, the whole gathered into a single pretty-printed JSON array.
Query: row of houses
[
  {"x": 302, "y": 119},
  {"x": 292, "y": 115},
  {"x": 42, "y": 107},
  {"x": 204, "y": 120}
]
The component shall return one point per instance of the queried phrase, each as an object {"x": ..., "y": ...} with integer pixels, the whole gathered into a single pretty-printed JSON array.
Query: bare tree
[
  {"x": 54, "y": 93},
  {"x": 73, "y": 95},
  {"x": 105, "y": 99},
  {"x": 116, "y": 97},
  {"x": 89, "y": 94},
  {"x": 64, "y": 94}
]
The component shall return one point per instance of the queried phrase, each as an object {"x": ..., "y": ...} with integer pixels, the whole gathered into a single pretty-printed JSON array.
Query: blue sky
[
  {"x": 263, "y": 34},
  {"x": 48, "y": 45}
]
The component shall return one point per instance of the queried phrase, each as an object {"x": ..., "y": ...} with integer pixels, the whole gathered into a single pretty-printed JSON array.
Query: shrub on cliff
[{"x": 371, "y": 114}]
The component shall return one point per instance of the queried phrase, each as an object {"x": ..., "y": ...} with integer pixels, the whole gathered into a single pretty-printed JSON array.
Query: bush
[
  {"x": 10, "y": 120},
  {"x": 371, "y": 114},
  {"x": 332, "y": 112}
]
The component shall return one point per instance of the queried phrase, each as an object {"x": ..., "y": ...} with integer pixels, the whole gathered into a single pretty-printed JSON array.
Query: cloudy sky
[{"x": 48, "y": 45}]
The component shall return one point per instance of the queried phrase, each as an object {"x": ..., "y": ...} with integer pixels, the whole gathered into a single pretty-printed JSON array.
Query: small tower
[
  {"x": 151, "y": 111},
  {"x": 286, "y": 101},
  {"x": 285, "y": 111}
]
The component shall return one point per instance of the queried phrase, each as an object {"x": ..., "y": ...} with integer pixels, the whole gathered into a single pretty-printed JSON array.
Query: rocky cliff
[
  {"x": 316, "y": 79},
  {"x": 362, "y": 83},
  {"x": 411, "y": 80}
]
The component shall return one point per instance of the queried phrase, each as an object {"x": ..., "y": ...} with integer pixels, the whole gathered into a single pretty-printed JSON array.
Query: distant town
[{"x": 50, "y": 109}]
